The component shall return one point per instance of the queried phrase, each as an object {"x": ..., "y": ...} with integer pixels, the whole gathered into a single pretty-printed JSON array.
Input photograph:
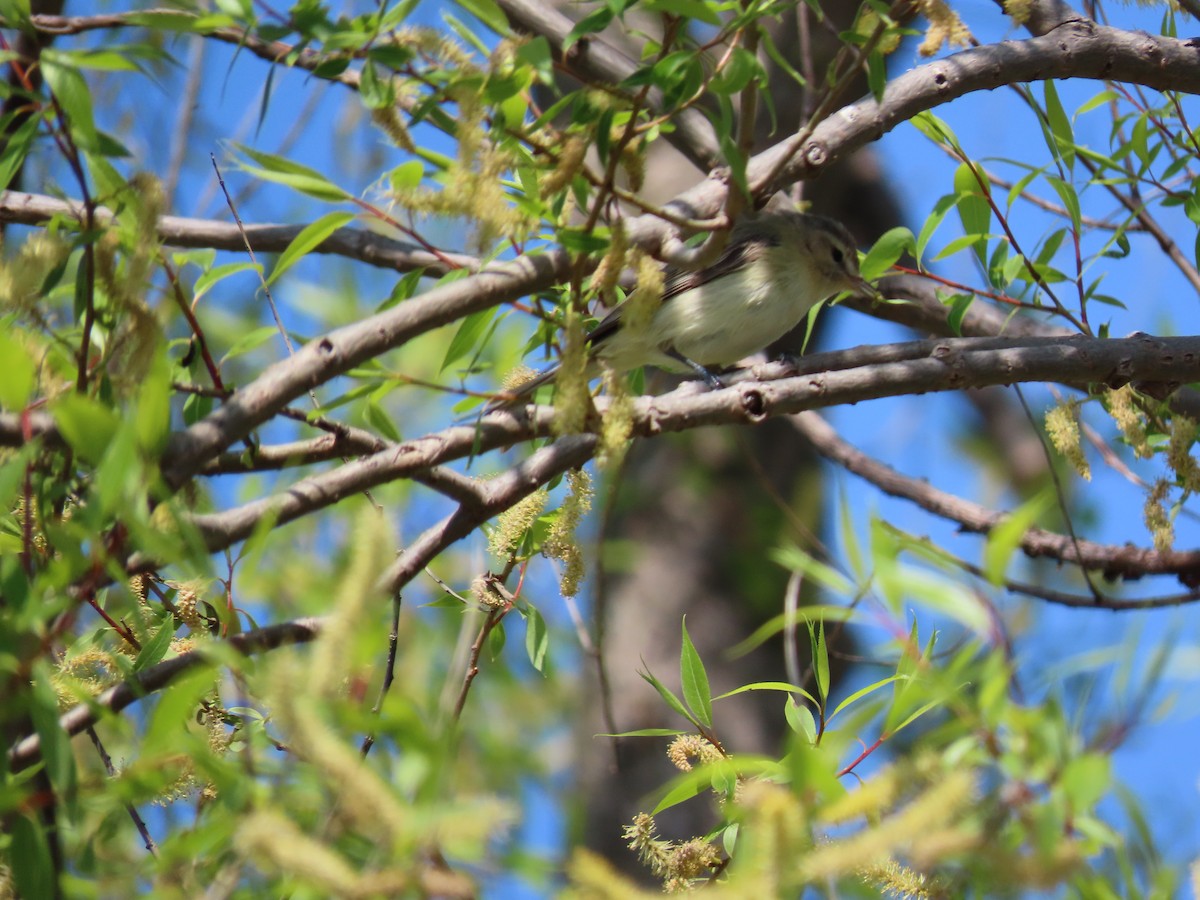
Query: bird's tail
[{"x": 517, "y": 395}]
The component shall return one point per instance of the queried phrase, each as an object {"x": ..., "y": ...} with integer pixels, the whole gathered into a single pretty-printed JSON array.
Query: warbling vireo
[{"x": 776, "y": 267}]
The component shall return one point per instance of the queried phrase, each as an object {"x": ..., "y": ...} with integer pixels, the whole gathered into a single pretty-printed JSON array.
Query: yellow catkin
[
  {"x": 945, "y": 27},
  {"x": 562, "y": 543},
  {"x": 608, "y": 273},
  {"x": 1019, "y": 10},
  {"x": 511, "y": 525},
  {"x": 388, "y": 120},
  {"x": 870, "y": 798},
  {"x": 617, "y": 427},
  {"x": 897, "y": 881},
  {"x": 1129, "y": 420},
  {"x": 1179, "y": 453},
  {"x": 937, "y": 806},
  {"x": 572, "y": 400},
  {"x": 688, "y": 747},
  {"x": 569, "y": 162},
  {"x": 518, "y": 376},
  {"x": 21, "y": 278},
  {"x": 647, "y": 297},
  {"x": 1062, "y": 426},
  {"x": 1158, "y": 520}
]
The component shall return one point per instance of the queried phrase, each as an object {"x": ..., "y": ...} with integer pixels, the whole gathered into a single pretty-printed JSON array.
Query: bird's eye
[{"x": 838, "y": 256}]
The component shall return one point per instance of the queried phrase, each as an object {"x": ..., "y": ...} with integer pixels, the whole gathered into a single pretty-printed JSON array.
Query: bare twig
[
  {"x": 155, "y": 678},
  {"x": 1112, "y": 561},
  {"x": 389, "y": 670}
]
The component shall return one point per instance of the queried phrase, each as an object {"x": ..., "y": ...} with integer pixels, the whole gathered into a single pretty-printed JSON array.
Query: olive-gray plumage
[{"x": 776, "y": 267}]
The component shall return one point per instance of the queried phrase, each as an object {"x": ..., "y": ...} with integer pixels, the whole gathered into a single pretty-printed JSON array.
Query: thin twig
[
  {"x": 389, "y": 671},
  {"x": 138, "y": 822}
]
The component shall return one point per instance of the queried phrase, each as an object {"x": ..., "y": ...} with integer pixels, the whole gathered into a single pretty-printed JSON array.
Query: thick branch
[
  {"x": 500, "y": 493},
  {"x": 336, "y": 353},
  {"x": 827, "y": 379},
  {"x": 595, "y": 60},
  {"x": 157, "y": 677},
  {"x": 353, "y": 243},
  {"x": 1115, "y": 562},
  {"x": 271, "y": 51}
]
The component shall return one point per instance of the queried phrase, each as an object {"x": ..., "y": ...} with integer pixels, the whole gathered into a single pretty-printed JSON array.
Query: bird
[{"x": 776, "y": 267}]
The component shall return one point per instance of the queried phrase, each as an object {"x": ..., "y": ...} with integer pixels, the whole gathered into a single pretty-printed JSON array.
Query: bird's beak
[{"x": 864, "y": 287}]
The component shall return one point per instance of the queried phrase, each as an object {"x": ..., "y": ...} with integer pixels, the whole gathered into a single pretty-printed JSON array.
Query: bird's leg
[{"x": 709, "y": 378}]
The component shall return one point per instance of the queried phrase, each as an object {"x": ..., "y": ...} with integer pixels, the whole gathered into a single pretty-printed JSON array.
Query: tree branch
[
  {"x": 1114, "y": 562},
  {"x": 593, "y": 59},
  {"x": 825, "y": 379},
  {"x": 353, "y": 243},
  {"x": 499, "y": 494},
  {"x": 157, "y": 677},
  {"x": 334, "y": 354}
]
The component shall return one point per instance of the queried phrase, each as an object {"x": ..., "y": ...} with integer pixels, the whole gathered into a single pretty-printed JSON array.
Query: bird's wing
[{"x": 734, "y": 257}]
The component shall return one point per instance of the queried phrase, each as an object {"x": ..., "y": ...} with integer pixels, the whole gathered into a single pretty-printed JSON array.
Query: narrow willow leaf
[
  {"x": 537, "y": 638},
  {"x": 1003, "y": 540},
  {"x": 308, "y": 240},
  {"x": 694, "y": 679}
]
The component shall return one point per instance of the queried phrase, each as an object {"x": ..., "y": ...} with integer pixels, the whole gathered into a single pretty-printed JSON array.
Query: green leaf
[
  {"x": 1086, "y": 779},
  {"x": 155, "y": 649},
  {"x": 536, "y": 54},
  {"x": 862, "y": 692},
  {"x": 1063, "y": 143},
  {"x": 407, "y": 175},
  {"x": 595, "y": 21},
  {"x": 820, "y": 656},
  {"x": 933, "y": 704},
  {"x": 284, "y": 171},
  {"x": 175, "y": 707},
  {"x": 488, "y": 12},
  {"x": 740, "y": 69},
  {"x": 496, "y": 641},
  {"x": 153, "y": 412},
  {"x": 537, "y": 638},
  {"x": 29, "y": 856},
  {"x": 647, "y": 732},
  {"x": 778, "y": 623},
  {"x": 850, "y": 545},
  {"x": 1004, "y": 538},
  {"x": 87, "y": 425},
  {"x": 255, "y": 337},
  {"x": 893, "y": 244},
  {"x": 686, "y": 9},
  {"x": 1070, "y": 199},
  {"x": 720, "y": 775},
  {"x": 209, "y": 279},
  {"x": 800, "y": 719},
  {"x": 19, "y": 378},
  {"x": 16, "y": 148},
  {"x": 973, "y": 209},
  {"x": 943, "y": 206},
  {"x": 71, "y": 91},
  {"x": 694, "y": 680},
  {"x": 935, "y": 129},
  {"x": 55, "y": 742},
  {"x": 784, "y": 686},
  {"x": 978, "y": 241},
  {"x": 378, "y": 419},
  {"x": 876, "y": 74},
  {"x": 308, "y": 240},
  {"x": 799, "y": 560},
  {"x": 959, "y": 304},
  {"x": 470, "y": 330},
  {"x": 668, "y": 697}
]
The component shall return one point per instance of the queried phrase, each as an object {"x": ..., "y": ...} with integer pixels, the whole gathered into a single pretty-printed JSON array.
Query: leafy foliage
[{"x": 304, "y": 684}]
